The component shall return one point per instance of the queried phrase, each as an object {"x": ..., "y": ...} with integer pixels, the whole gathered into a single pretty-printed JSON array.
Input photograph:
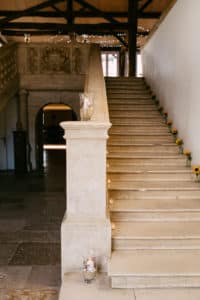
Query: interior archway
[{"x": 50, "y": 143}]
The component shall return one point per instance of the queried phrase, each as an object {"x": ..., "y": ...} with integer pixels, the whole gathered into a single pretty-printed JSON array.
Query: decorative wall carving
[
  {"x": 32, "y": 55},
  {"x": 8, "y": 66},
  {"x": 56, "y": 58}
]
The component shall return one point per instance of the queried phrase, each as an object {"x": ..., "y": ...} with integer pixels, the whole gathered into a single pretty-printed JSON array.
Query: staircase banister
[
  {"x": 86, "y": 225},
  {"x": 95, "y": 85}
]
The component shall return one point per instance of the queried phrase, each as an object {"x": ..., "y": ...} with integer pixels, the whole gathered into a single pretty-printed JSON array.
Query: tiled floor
[{"x": 31, "y": 211}]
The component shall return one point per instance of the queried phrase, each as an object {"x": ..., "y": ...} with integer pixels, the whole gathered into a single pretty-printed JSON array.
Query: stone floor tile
[
  {"x": 7, "y": 251},
  {"x": 37, "y": 254},
  {"x": 15, "y": 276},
  {"x": 44, "y": 276},
  {"x": 168, "y": 294},
  {"x": 29, "y": 294},
  {"x": 12, "y": 225},
  {"x": 74, "y": 288}
]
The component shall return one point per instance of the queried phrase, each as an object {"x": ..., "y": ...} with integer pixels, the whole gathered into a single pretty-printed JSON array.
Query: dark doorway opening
[{"x": 49, "y": 133}]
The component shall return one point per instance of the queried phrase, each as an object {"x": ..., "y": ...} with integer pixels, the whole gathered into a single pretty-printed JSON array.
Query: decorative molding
[
  {"x": 32, "y": 58},
  {"x": 55, "y": 59},
  {"x": 9, "y": 79},
  {"x": 8, "y": 67}
]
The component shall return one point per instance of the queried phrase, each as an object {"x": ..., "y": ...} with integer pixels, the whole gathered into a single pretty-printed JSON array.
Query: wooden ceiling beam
[
  {"x": 145, "y": 5},
  {"x": 97, "y": 11},
  {"x": 121, "y": 40},
  {"x": 15, "y": 32},
  {"x": 29, "y": 10},
  {"x": 52, "y": 32},
  {"x": 60, "y": 12},
  {"x": 62, "y": 26},
  {"x": 69, "y": 11},
  {"x": 80, "y": 14},
  {"x": 132, "y": 35}
]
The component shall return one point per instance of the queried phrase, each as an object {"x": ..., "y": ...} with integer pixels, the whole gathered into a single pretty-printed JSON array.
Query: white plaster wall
[{"x": 171, "y": 62}]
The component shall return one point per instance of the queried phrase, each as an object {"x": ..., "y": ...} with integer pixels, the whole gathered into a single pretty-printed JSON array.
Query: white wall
[{"x": 171, "y": 62}]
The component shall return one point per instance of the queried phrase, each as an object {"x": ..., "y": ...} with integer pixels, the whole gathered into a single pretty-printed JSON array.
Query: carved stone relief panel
[
  {"x": 54, "y": 59},
  {"x": 8, "y": 67},
  {"x": 33, "y": 60},
  {"x": 57, "y": 58}
]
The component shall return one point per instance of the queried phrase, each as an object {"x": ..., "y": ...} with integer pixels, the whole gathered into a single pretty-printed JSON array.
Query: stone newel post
[{"x": 86, "y": 225}]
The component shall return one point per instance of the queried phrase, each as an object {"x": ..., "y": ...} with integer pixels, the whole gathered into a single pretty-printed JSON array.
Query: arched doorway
[{"x": 48, "y": 132}]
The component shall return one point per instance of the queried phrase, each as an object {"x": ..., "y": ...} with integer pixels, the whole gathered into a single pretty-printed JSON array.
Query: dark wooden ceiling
[{"x": 89, "y": 17}]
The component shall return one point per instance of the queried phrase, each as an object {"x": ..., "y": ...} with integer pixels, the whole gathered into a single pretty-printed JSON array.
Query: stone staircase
[{"x": 154, "y": 202}]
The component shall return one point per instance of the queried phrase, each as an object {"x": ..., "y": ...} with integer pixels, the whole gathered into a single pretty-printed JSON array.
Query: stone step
[
  {"x": 121, "y": 92},
  {"x": 128, "y": 85},
  {"x": 128, "y": 155},
  {"x": 113, "y": 88},
  {"x": 124, "y": 79},
  {"x": 129, "y": 96},
  {"x": 146, "y": 194},
  {"x": 150, "y": 176},
  {"x": 147, "y": 160},
  {"x": 156, "y": 235},
  {"x": 147, "y": 155},
  {"x": 139, "y": 131},
  {"x": 140, "y": 127},
  {"x": 125, "y": 154},
  {"x": 139, "y": 102},
  {"x": 133, "y": 107},
  {"x": 153, "y": 199},
  {"x": 140, "y": 139},
  {"x": 124, "y": 168},
  {"x": 135, "y": 114},
  {"x": 148, "y": 148},
  {"x": 125, "y": 82},
  {"x": 154, "y": 185},
  {"x": 137, "y": 121},
  {"x": 155, "y": 269},
  {"x": 162, "y": 210}
]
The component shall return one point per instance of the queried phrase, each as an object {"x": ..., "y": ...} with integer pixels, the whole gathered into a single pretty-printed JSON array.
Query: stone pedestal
[{"x": 85, "y": 227}]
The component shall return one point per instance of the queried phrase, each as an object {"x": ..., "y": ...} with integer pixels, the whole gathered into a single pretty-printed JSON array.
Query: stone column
[{"x": 86, "y": 225}]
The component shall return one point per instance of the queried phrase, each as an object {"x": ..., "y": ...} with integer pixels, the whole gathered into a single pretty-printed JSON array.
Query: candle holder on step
[{"x": 89, "y": 269}]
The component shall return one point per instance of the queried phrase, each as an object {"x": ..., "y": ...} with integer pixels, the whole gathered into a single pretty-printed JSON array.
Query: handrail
[
  {"x": 95, "y": 85},
  {"x": 86, "y": 166}
]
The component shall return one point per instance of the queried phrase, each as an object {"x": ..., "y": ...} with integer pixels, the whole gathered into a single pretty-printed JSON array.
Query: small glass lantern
[
  {"x": 86, "y": 106},
  {"x": 89, "y": 269}
]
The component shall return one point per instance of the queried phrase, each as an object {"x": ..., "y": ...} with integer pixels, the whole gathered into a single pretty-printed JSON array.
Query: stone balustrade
[{"x": 86, "y": 226}]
